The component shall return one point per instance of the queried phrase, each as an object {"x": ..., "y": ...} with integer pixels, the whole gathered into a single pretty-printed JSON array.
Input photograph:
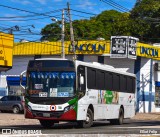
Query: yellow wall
[
  {"x": 84, "y": 47},
  {"x": 148, "y": 51},
  {"x": 54, "y": 48},
  {"x": 6, "y": 48}
]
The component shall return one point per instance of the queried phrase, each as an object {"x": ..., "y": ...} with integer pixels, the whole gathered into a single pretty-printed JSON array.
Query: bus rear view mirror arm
[{"x": 21, "y": 78}]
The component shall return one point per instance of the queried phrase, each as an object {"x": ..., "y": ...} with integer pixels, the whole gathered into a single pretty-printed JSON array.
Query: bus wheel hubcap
[{"x": 87, "y": 119}]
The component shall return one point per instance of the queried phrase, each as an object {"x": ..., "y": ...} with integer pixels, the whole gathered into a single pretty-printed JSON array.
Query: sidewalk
[
  {"x": 18, "y": 119},
  {"x": 147, "y": 116}
]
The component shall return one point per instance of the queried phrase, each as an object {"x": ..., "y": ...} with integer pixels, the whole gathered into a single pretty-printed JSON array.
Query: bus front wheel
[
  {"x": 89, "y": 120},
  {"x": 46, "y": 123}
]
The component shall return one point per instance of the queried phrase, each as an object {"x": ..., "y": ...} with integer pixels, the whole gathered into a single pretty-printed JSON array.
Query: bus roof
[
  {"x": 103, "y": 67},
  {"x": 51, "y": 59},
  {"x": 94, "y": 65}
]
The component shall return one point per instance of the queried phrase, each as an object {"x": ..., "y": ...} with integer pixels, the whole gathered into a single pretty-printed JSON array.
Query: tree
[
  {"x": 145, "y": 17},
  {"x": 104, "y": 25},
  {"x": 51, "y": 32},
  {"x": 142, "y": 22}
]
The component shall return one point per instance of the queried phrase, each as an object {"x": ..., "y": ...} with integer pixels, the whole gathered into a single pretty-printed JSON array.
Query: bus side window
[
  {"x": 100, "y": 76},
  {"x": 108, "y": 81},
  {"x": 123, "y": 83},
  {"x": 91, "y": 78},
  {"x": 129, "y": 85},
  {"x": 116, "y": 82},
  {"x": 133, "y": 85}
]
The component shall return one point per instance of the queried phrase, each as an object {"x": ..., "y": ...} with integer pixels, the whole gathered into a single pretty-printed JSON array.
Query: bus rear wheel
[
  {"x": 47, "y": 123},
  {"x": 120, "y": 119},
  {"x": 89, "y": 120}
]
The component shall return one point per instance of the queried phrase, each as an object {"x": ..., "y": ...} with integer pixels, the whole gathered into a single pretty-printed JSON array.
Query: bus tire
[
  {"x": 120, "y": 119},
  {"x": 112, "y": 121},
  {"x": 2, "y": 111},
  {"x": 46, "y": 123},
  {"x": 89, "y": 120}
]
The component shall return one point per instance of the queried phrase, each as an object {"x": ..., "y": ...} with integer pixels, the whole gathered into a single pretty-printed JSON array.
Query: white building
[{"x": 141, "y": 64}]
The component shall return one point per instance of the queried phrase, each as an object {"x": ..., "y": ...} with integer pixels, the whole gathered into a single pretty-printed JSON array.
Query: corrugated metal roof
[{"x": 55, "y": 48}]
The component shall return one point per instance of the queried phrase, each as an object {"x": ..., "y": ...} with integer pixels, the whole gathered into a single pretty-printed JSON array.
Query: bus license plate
[{"x": 46, "y": 115}]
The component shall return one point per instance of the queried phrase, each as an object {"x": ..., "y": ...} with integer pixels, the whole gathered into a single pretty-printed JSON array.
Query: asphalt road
[{"x": 99, "y": 127}]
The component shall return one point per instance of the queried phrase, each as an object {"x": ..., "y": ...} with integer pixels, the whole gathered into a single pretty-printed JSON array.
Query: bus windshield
[{"x": 51, "y": 84}]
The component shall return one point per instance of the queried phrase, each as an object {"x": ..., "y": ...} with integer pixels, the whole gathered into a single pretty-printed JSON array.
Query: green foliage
[
  {"x": 142, "y": 22},
  {"x": 51, "y": 32},
  {"x": 104, "y": 25},
  {"x": 145, "y": 16}
]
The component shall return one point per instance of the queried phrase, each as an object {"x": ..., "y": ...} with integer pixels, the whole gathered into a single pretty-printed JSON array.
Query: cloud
[
  {"x": 58, "y": 0},
  {"x": 9, "y": 15},
  {"x": 86, "y": 5},
  {"x": 43, "y": 2},
  {"x": 23, "y": 2}
]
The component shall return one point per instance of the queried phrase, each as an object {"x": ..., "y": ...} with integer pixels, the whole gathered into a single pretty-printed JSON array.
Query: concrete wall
[
  {"x": 19, "y": 65},
  {"x": 122, "y": 64},
  {"x": 146, "y": 90}
]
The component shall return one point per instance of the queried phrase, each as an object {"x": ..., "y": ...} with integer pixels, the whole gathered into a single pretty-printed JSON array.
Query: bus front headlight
[{"x": 69, "y": 108}]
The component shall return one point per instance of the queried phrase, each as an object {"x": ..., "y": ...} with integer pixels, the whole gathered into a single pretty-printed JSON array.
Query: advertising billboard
[
  {"x": 123, "y": 47},
  {"x": 6, "y": 48}
]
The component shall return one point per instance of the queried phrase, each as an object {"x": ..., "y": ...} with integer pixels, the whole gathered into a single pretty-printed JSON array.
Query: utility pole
[
  {"x": 71, "y": 32},
  {"x": 62, "y": 36}
]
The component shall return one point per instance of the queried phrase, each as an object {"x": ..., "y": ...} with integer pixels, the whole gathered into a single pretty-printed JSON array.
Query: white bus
[{"x": 63, "y": 90}]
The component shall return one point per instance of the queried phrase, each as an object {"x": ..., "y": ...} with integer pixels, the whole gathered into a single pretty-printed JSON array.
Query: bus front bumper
[{"x": 51, "y": 115}]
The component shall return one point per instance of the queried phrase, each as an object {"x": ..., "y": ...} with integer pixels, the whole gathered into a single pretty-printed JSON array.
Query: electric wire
[
  {"x": 83, "y": 12},
  {"x": 115, "y": 5},
  {"x": 118, "y": 5},
  {"x": 25, "y": 10},
  {"x": 11, "y": 17},
  {"x": 28, "y": 19}
]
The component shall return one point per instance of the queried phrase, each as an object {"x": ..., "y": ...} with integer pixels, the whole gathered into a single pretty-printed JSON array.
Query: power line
[
  {"x": 25, "y": 10},
  {"x": 83, "y": 12},
  {"x": 118, "y": 5},
  {"x": 80, "y": 16},
  {"x": 17, "y": 28},
  {"x": 11, "y": 17},
  {"x": 112, "y": 5},
  {"x": 27, "y": 19},
  {"x": 115, "y": 5}
]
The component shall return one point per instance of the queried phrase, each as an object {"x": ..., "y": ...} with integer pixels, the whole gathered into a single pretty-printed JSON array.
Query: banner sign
[
  {"x": 118, "y": 47},
  {"x": 123, "y": 47},
  {"x": 132, "y": 45},
  {"x": 148, "y": 51}
]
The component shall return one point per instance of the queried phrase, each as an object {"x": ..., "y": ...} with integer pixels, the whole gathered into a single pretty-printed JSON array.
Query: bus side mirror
[
  {"x": 21, "y": 79},
  {"x": 82, "y": 83},
  {"x": 81, "y": 80}
]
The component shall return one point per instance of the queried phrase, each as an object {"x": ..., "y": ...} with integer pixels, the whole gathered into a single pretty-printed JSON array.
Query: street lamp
[
  {"x": 54, "y": 19},
  {"x": 62, "y": 34}
]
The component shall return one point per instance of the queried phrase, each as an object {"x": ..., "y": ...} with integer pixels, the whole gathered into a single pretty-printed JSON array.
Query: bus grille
[{"x": 51, "y": 114}]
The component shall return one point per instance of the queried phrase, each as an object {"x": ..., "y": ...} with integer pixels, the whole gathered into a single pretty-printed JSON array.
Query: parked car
[{"x": 12, "y": 103}]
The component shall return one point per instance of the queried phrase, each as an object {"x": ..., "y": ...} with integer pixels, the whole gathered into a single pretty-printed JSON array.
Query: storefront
[
  {"x": 148, "y": 93},
  {"x": 123, "y": 53},
  {"x": 6, "y": 48},
  {"x": 14, "y": 87}
]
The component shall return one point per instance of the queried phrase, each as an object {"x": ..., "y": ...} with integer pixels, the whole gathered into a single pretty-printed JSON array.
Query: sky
[{"x": 26, "y": 18}]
